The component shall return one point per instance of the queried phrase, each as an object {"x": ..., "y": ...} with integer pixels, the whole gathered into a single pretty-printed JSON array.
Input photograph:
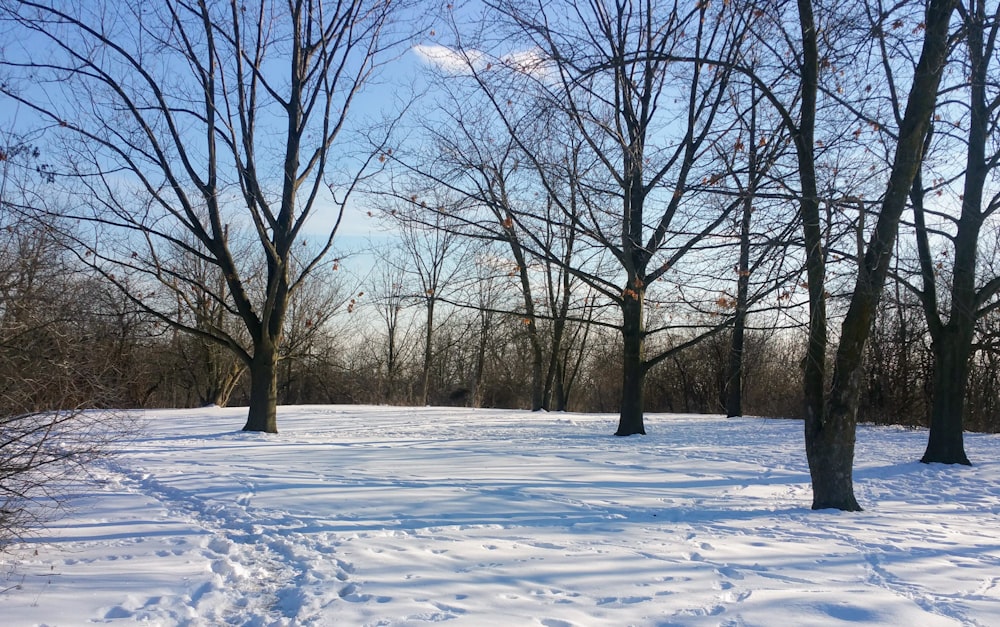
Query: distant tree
[
  {"x": 431, "y": 259},
  {"x": 471, "y": 157},
  {"x": 184, "y": 122},
  {"x": 763, "y": 267},
  {"x": 389, "y": 297}
]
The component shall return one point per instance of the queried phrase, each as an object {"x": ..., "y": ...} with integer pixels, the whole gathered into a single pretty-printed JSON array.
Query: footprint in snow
[
  {"x": 350, "y": 593},
  {"x": 118, "y": 612}
]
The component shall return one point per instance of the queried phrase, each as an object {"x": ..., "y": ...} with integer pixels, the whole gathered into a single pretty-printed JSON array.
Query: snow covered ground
[{"x": 401, "y": 516}]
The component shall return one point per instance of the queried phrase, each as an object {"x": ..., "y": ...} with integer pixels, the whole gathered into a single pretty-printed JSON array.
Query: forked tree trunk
[
  {"x": 830, "y": 435},
  {"x": 830, "y": 447},
  {"x": 633, "y": 363},
  {"x": 263, "y": 413}
]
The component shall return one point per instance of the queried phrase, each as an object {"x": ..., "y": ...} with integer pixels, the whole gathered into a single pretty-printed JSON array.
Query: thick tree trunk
[
  {"x": 945, "y": 443},
  {"x": 633, "y": 363},
  {"x": 830, "y": 433},
  {"x": 830, "y": 443},
  {"x": 953, "y": 341},
  {"x": 830, "y": 450},
  {"x": 263, "y": 389}
]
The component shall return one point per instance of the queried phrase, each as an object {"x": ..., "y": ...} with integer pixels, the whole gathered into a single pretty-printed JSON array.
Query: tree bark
[
  {"x": 820, "y": 451},
  {"x": 945, "y": 443},
  {"x": 553, "y": 371},
  {"x": 633, "y": 361},
  {"x": 537, "y": 361},
  {"x": 263, "y": 412},
  {"x": 425, "y": 386},
  {"x": 537, "y": 356},
  {"x": 734, "y": 379}
]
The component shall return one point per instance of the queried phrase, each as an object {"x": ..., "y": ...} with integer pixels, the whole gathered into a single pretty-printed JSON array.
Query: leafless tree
[
  {"x": 831, "y": 418},
  {"x": 802, "y": 51},
  {"x": 432, "y": 260},
  {"x": 968, "y": 106},
  {"x": 593, "y": 71},
  {"x": 184, "y": 122}
]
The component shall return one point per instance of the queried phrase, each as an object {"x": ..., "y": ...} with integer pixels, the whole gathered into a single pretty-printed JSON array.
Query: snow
[{"x": 402, "y": 516}]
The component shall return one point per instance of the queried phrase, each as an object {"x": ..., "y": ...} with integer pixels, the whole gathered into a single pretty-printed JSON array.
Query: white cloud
[
  {"x": 448, "y": 60},
  {"x": 531, "y": 62}
]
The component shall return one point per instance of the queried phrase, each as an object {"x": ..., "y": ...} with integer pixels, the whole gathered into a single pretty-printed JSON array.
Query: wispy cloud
[
  {"x": 531, "y": 62},
  {"x": 450, "y": 61}
]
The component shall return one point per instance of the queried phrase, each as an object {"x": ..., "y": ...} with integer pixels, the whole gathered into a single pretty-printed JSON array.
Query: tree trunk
[
  {"x": 263, "y": 412},
  {"x": 830, "y": 450},
  {"x": 951, "y": 375},
  {"x": 537, "y": 359},
  {"x": 537, "y": 356},
  {"x": 559, "y": 392},
  {"x": 734, "y": 379},
  {"x": 480, "y": 375},
  {"x": 553, "y": 372},
  {"x": 953, "y": 341},
  {"x": 425, "y": 386},
  {"x": 633, "y": 361},
  {"x": 830, "y": 442}
]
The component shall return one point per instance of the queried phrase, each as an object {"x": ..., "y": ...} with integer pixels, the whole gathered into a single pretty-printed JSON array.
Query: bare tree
[
  {"x": 465, "y": 152},
  {"x": 431, "y": 260},
  {"x": 389, "y": 298},
  {"x": 183, "y": 120},
  {"x": 594, "y": 72},
  {"x": 831, "y": 419},
  {"x": 970, "y": 295},
  {"x": 809, "y": 58}
]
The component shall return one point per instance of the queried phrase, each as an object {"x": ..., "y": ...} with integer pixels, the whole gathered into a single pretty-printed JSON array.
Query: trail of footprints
[{"x": 260, "y": 571}]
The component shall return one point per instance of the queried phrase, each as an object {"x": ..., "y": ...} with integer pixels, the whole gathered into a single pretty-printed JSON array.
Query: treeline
[{"x": 69, "y": 339}]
